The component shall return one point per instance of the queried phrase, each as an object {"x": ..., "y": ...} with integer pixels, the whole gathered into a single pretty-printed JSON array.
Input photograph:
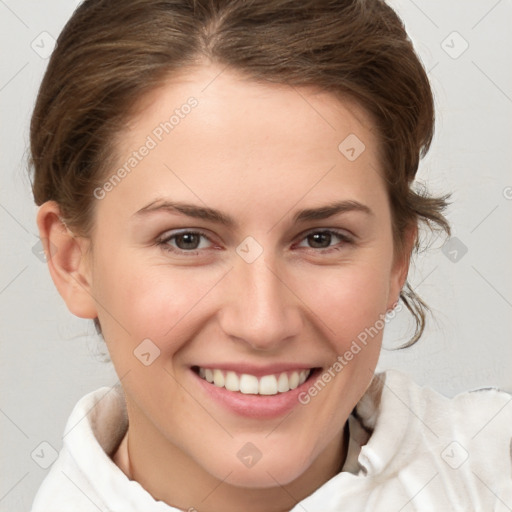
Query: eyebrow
[
  {"x": 191, "y": 210},
  {"x": 324, "y": 212},
  {"x": 218, "y": 217}
]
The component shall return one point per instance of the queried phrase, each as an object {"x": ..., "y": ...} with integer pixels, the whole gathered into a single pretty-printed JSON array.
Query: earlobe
[{"x": 67, "y": 259}]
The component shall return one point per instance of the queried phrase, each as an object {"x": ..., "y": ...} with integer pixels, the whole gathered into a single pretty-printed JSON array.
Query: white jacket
[{"x": 410, "y": 449}]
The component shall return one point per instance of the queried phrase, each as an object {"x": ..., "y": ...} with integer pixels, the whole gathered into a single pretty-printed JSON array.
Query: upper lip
[{"x": 257, "y": 371}]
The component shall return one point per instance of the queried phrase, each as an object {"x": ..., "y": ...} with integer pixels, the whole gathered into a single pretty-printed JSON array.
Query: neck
[{"x": 173, "y": 477}]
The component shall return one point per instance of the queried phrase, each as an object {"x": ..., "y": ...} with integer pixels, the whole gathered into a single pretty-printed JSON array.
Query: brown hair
[{"x": 111, "y": 53}]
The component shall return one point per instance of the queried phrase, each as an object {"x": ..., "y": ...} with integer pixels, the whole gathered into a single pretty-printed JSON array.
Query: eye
[
  {"x": 323, "y": 239},
  {"x": 184, "y": 241}
]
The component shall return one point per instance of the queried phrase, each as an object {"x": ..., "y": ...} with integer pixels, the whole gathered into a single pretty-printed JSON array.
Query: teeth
[
  {"x": 248, "y": 384},
  {"x": 282, "y": 383},
  {"x": 293, "y": 381},
  {"x": 218, "y": 378},
  {"x": 268, "y": 385},
  {"x": 232, "y": 382},
  {"x": 251, "y": 385}
]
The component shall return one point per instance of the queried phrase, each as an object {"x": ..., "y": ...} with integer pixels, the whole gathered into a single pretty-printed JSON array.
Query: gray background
[{"x": 49, "y": 359}]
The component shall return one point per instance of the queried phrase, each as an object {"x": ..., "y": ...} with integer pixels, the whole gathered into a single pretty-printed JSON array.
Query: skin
[{"x": 258, "y": 153}]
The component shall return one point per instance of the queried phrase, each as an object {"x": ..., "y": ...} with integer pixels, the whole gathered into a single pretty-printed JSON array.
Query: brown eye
[
  {"x": 325, "y": 239},
  {"x": 188, "y": 241},
  {"x": 184, "y": 241},
  {"x": 320, "y": 240}
]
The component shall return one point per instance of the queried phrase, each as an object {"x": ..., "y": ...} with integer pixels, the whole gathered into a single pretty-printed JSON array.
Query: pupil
[
  {"x": 187, "y": 241},
  {"x": 320, "y": 240}
]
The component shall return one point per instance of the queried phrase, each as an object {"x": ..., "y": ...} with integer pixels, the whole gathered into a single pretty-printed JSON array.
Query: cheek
[
  {"x": 348, "y": 300},
  {"x": 141, "y": 301},
  {"x": 349, "y": 305}
]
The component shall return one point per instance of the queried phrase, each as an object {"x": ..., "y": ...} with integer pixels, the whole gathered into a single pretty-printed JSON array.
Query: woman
[{"x": 226, "y": 188}]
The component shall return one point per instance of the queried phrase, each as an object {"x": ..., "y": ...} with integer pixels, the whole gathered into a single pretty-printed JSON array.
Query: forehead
[
  {"x": 228, "y": 97},
  {"x": 214, "y": 131}
]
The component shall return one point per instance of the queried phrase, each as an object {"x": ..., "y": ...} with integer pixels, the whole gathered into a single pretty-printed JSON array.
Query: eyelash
[{"x": 164, "y": 241}]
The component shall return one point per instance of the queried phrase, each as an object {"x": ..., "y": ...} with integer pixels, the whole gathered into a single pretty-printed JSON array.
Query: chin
[{"x": 280, "y": 470}]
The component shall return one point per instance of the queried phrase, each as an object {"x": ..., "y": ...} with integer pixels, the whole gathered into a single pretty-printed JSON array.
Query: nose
[{"x": 259, "y": 306}]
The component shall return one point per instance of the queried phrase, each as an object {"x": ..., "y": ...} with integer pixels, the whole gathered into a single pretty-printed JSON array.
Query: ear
[
  {"x": 68, "y": 261},
  {"x": 401, "y": 265}
]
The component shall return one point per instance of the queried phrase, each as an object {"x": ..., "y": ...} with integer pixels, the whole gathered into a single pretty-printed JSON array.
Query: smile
[{"x": 250, "y": 384}]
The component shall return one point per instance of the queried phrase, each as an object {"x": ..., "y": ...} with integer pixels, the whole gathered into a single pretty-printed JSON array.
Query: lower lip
[{"x": 255, "y": 406}]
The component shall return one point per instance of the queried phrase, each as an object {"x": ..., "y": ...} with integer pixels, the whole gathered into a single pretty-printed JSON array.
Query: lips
[
  {"x": 249, "y": 384},
  {"x": 256, "y": 393}
]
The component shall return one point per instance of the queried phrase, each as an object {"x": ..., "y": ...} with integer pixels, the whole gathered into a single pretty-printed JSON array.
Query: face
[{"x": 244, "y": 245}]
